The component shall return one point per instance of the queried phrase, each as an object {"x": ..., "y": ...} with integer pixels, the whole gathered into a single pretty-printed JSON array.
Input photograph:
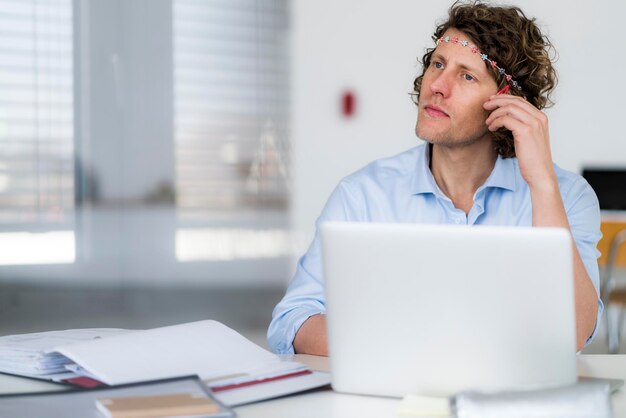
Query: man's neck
[{"x": 459, "y": 172}]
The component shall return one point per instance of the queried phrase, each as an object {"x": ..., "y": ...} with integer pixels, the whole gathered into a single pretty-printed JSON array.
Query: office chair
[{"x": 614, "y": 298}]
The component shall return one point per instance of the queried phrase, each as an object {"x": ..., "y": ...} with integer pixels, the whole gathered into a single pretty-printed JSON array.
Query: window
[
  {"x": 230, "y": 92},
  {"x": 172, "y": 118},
  {"x": 36, "y": 131},
  {"x": 230, "y": 128}
]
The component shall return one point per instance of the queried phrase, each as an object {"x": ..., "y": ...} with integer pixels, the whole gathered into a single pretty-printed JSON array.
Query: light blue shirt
[{"x": 402, "y": 189}]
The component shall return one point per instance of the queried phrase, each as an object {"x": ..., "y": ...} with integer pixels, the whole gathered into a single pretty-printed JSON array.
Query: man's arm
[
  {"x": 311, "y": 337},
  {"x": 532, "y": 147},
  {"x": 298, "y": 324},
  {"x": 548, "y": 210}
]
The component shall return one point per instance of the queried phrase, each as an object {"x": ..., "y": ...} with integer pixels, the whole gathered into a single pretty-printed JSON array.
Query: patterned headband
[{"x": 484, "y": 57}]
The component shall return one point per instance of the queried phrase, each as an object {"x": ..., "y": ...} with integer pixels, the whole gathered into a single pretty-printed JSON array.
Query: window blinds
[
  {"x": 36, "y": 114},
  {"x": 231, "y": 103}
]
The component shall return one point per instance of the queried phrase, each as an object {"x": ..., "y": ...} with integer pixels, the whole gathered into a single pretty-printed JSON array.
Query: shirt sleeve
[
  {"x": 583, "y": 214},
  {"x": 305, "y": 295}
]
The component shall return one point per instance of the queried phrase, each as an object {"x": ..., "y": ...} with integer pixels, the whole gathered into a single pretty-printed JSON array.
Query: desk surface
[
  {"x": 326, "y": 403},
  {"x": 331, "y": 404}
]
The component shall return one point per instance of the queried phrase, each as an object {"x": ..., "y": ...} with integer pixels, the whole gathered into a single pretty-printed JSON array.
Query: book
[
  {"x": 76, "y": 402},
  {"x": 221, "y": 357},
  {"x": 176, "y": 405}
]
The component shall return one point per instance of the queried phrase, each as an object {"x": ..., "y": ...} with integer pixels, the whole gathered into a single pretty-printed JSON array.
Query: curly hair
[{"x": 507, "y": 36}]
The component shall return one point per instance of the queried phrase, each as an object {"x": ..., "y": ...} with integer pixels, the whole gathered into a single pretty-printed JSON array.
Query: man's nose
[{"x": 441, "y": 84}]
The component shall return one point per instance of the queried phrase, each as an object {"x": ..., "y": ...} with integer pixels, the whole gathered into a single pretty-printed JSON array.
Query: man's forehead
[
  {"x": 454, "y": 45},
  {"x": 461, "y": 57}
]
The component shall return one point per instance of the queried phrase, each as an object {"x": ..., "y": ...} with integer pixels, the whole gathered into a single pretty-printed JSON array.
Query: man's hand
[
  {"x": 532, "y": 148},
  {"x": 311, "y": 337},
  {"x": 530, "y": 131}
]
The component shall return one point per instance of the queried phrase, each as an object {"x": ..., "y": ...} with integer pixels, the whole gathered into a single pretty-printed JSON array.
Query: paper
[
  {"x": 424, "y": 406},
  {"x": 27, "y": 354},
  {"x": 274, "y": 389},
  {"x": 237, "y": 369},
  {"x": 206, "y": 348}
]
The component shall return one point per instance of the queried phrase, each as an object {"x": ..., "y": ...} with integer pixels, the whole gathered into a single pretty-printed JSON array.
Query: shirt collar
[
  {"x": 502, "y": 176},
  {"x": 423, "y": 180}
]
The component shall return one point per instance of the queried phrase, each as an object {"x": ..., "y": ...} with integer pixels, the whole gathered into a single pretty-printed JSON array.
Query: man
[{"x": 487, "y": 161}]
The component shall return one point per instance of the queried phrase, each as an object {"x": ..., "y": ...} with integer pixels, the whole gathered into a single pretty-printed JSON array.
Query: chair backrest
[{"x": 610, "y": 229}]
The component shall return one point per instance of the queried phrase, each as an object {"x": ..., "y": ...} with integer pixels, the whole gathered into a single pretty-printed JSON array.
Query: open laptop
[{"x": 436, "y": 309}]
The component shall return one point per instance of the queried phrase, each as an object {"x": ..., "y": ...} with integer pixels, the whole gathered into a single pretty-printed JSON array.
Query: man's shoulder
[
  {"x": 565, "y": 178},
  {"x": 575, "y": 190},
  {"x": 392, "y": 168},
  {"x": 568, "y": 179}
]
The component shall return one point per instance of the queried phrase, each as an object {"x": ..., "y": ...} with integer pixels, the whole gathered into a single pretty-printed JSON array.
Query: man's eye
[
  {"x": 438, "y": 65},
  {"x": 468, "y": 77}
]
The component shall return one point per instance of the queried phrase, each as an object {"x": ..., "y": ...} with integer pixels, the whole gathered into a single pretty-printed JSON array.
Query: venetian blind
[
  {"x": 230, "y": 92},
  {"x": 36, "y": 113}
]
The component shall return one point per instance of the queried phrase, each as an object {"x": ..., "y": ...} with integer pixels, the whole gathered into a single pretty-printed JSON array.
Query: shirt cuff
[
  {"x": 292, "y": 323},
  {"x": 598, "y": 318}
]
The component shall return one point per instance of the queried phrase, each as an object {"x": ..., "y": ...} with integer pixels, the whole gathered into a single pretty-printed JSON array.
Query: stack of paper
[
  {"x": 28, "y": 354},
  {"x": 219, "y": 355}
]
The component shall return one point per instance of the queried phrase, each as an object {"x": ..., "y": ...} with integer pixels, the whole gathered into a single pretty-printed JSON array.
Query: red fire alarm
[{"x": 348, "y": 104}]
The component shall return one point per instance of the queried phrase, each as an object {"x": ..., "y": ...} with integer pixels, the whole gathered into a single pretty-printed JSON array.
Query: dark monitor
[{"x": 609, "y": 185}]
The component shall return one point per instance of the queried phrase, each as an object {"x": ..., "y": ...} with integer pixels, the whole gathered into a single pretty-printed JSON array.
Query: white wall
[{"x": 372, "y": 47}]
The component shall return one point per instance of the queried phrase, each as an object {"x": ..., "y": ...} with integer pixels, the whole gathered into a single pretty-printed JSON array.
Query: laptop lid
[{"x": 436, "y": 309}]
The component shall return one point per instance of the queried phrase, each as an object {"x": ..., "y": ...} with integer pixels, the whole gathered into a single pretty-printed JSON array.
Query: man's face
[{"x": 454, "y": 88}]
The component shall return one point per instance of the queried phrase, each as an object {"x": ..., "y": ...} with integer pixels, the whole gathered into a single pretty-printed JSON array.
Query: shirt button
[{"x": 457, "y": 220}]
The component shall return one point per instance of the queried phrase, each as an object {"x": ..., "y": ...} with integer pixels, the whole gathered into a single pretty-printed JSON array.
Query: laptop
[{"x": 438, "y": 309}]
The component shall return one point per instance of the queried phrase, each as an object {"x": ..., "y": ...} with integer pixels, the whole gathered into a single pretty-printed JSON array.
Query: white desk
[
  {"x": 326, "y": 403},
  {"x": 331, "y": 404}
]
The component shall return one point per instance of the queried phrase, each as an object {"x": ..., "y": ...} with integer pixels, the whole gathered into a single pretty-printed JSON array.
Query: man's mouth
[{"x": 435, "y": 111}]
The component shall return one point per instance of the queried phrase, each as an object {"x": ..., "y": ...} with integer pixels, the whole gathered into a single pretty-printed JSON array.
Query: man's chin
[
  {"x": 448, "y": 142},
  {"x": 432, "y": 132},
  {"x": 432, "y": 137}
]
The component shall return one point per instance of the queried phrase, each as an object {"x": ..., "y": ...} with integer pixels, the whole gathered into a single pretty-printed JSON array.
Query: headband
[{"x": 484, "y": 57}]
